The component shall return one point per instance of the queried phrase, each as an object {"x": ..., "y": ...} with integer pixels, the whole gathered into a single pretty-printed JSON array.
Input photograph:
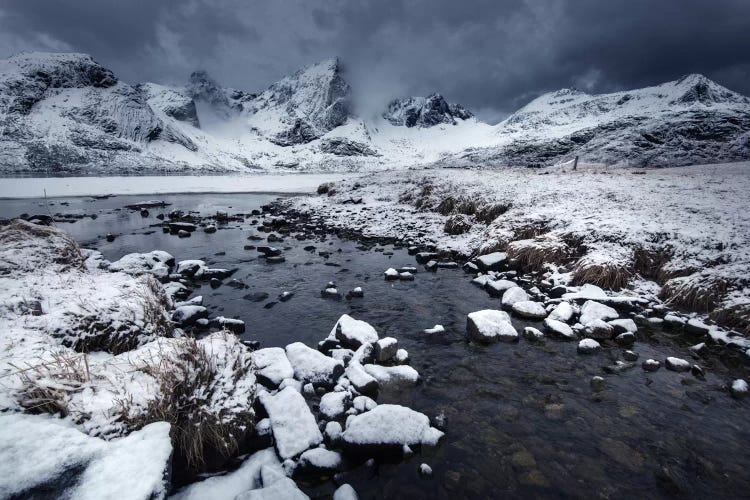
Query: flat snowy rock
[
  {"x": 360, "y": 379},
  {"x": 562, "y": 312},
  {"x": 497, "y": 288},
  {"x": 312, "y": 366},
  {"x": 490, "y": 325},
  {"x": 157, "y": 263},
  {"x": 320, "y": 459},
  {"x": 390, "y": 426},
  {"x": 393, "y": 376},
  {"x": 491, "y": 261},
  {"x": 592, "y": 311},
  {"x": 513, "y": 295},
  {"x": 559, "y": 328},
  {"x": 293, "y": 425},
  {"x": 333, "y": 404},
  {"x": 529, "y": 309},
  {"x": 272, "y": 365},
  {"x": 353, "y": 332}
]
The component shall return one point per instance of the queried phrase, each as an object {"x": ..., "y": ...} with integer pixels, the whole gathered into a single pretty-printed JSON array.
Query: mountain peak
[
  {"x": 697, "y": 88},
  {"x": 59, "y": 69},
  {"x": 425, "y": 111}
]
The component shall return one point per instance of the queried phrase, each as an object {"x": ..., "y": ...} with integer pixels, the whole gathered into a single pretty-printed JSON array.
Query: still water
[{"x": 521, "y": 419}]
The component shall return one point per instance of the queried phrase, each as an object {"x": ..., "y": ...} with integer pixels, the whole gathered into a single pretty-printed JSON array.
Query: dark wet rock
[
  {"x": 625, "y": 339},
  {"x": 256, "y": 296},
  {"x": 269, "y": 251},
  {"x": 588, "y": 346},
  {"x": 330, "y": 293},
  {"x": 558, "y": 291},
  {"x": 630, "y": 356},
  {"x": 431, "y": 266},
  {"x": 144, "y": 213},
  {"x": 175, "y": 227},
  {"x": 532, "y": 334},
  {"x": 214, "y": 282},
  {"x": 110, "y": 237},
  {"x": 698, "y": 372},
  {"x": 424, "y": 257},
  {"x": 599, "y": 330},
  {"x": 269, "y": 305},
  {"x": 406, "y": 276},
  {"x": 470, "y": 268},
  {"x": 183, "y": 234},
  {"x": 285, "y": 296},
  {"x": 597, "y": 383},
  {"x": 696, "y": 327},
  {"x": 391, "y": 274},
  {"x": 237, "y": 284},
  {"x": 273, "y": 238},
  {"x": 275, "y": 259},
  {"x": 651, "y": 365},
  {"x": 618, "y": 367},
  {"x": 356, "y": 293},
  {"x": 233, "y": 325},
  {"x": 210, "y": 229}
]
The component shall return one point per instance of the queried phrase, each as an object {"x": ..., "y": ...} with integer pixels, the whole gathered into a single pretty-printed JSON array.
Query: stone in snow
[
  {"x": 311, "y": 365},
  {"x": 587, "y": 291},
  {"x": 673, "y": 321},
  {"x": 529, "y": 309},
  {"x": 402, "y": 357},
  {"x": 391, "y": 274},
  {"x": 592, "y": 310},
  {"x": 490, "y": 325},
  {"x": 188, "y": 315},
  {"x": 385, "y": 349},
  {"x": 497, "y": 288},
  {"x": 532, "y": 334},
  {"x": 598, "y": 329},
  {"x": 406, "y": 276},
  {"x": 588, "y": 346},
  {"x": 353, "y": 332},
  {"x": 625, "y": 325},
  {"x": 492, "y": 261},
  {"x": 357, "y": 292},
  {"x": 345, "y": 492},
  {"x": 562, "y": 312},
  {"x": 651, "y": 365},
  {"x": 343, "y": 355},
  {"x": 559, "y": 328},
  {"x": 333, "y": 431},
  {"x": 293, "y": 425},
  {"x": 425, "y": 470},
  {"x": 389, "y": 426},
  {"x": 630, "y": 356},
  {"x": 738, "y": 388},
  {"x": 482, "y": 280},
  {"x": 625, "y": 339},
  {"x": 393, "y": 376},
  {"x": 362, "y": 381},
  {"x": 319, "y": 460},
  {"x": 513, "y": 295},
  {"x": 435, "y": 329},
  {"x": 333, "y": 405},
  {"x": 363, "y": 404},
  {"x": 697, "y": 327},
  {"x": 189, "y": 267},
  {"x": 157, "y": 263},
  {"x": 272, "y": 366},
  {"x": 677, "y": 364},
  {"x": 293, "y": 383}
]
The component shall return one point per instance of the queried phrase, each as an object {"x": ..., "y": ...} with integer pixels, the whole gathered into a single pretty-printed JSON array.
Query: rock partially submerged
[
  {"x": 386, "y": 429},
  {"x": 490, "y": 325}
]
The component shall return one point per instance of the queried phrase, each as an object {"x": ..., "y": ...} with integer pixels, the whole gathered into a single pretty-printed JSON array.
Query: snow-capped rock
[
  {"x": 294, "y": 427},
  {"x": 425, "y": 111}
]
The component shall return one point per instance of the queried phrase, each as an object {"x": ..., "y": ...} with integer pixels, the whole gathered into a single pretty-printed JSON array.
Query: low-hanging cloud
[{"x": 490, "y": 55}]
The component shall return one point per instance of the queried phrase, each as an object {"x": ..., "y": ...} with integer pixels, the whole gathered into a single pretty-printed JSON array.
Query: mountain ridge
[{"x": 65, "y": 113}]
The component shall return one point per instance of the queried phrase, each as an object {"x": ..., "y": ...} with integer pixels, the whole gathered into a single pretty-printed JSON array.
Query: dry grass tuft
[
  {"x": 649, "y": 261},
  {"x": 736, "y": 317},
  {"x": 21, "y": 249},
  {"x": 609, "y": 276},
  {"x": 532, "y": 254},
  {"x": 46, "y": 387},
  {"x": 491, "y": 211},
  {"x": 531, "y": 230},
  {"x": 189, "y": 383},
  {"x": 700, "y": 293}
]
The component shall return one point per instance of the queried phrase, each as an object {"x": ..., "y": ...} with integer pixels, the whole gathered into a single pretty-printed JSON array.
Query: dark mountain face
[{"x": 425, "y": 111}]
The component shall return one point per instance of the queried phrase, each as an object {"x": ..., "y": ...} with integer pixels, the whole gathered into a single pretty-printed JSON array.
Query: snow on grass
[{"x": 599, "y": 223}]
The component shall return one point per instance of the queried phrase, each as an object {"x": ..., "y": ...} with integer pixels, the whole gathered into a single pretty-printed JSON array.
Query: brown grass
[
  {"x": 736, "y": 317},
  {"x": 649, "y": 261},
  {"x": 62, "y": 249},
  {"x": 46, "y": 387},
  {"x": 200, "y": 435},
  {"x": 610, "y": 276},
  {"x": 491, "y": 211},
  {"x": 533, "y": 254},
  {"x": 695, "y": 293}
]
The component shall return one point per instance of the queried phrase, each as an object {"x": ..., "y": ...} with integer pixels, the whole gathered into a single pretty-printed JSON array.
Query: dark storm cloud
[{"x": 491, "y": 55}]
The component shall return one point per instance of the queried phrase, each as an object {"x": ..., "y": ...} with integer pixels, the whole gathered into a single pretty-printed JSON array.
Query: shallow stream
[{"x": 521, "y": 419}]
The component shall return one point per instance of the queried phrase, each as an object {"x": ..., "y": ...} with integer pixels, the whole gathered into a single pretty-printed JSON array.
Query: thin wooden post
[{"x": 575, "y": 163}]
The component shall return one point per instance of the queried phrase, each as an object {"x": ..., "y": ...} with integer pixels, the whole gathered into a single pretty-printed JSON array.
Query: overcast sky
[{"x": 490, "y": 55}]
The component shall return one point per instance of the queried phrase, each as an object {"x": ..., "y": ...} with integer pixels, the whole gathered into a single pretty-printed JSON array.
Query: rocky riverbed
[{"x": 423, "y": 375}]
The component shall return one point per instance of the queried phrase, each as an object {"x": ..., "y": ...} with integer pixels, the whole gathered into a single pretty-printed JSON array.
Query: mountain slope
[
  {"x": 65, "y": 113},
  {"x": 686, "y": 121}
]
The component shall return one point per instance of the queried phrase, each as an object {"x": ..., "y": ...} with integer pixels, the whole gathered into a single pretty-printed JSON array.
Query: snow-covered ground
[
  {"x": 683, "y": 233},
  {"x": 38, "y": 187}
]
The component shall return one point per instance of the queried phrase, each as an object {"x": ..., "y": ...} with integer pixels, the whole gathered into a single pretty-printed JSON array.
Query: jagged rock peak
[
  {"x": 698, "y": 88},
  {"x": 425, "y": 111},
  {"x": 204, "y": 88},
  {"x": 58, "y": 70}
]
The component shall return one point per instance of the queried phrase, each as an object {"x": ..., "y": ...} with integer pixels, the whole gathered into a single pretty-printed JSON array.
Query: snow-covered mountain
[
  {"x": 65, "y": 113},
  {"x": 687, "y": 121},
  {"x": 425, "y": 111}
]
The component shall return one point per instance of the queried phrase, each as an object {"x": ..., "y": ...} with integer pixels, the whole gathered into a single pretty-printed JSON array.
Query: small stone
[
  {"x": 532, "y": 334},
  {"x": 651, "y": 365},
  {"x": 110, "y": 237},
  {"x": 625, "y": 339},
  {"x": 677, "y": 364},
  {"x": 597, "y": 383},
  {"x": 630, "y": 356},
  {"x": 588, "y": 346},
  {"x": 425, "y": 471},
  {"x": 739, "y": 388},
  {"x": 391, "y": 274},
  {"x": 698, "y": 372},
  {"x": 183, "y": 234}
]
